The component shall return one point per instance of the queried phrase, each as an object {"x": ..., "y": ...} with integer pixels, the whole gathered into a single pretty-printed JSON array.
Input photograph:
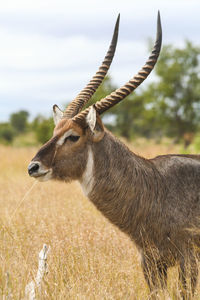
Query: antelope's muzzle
[{"x": 38, "y": 171}]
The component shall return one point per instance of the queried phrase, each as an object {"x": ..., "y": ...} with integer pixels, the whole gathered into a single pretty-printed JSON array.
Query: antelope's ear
[
  {"x": 91, "y": 118},
  {"x": 95, "y": 124},
  {"x": 57, "y": 114}
]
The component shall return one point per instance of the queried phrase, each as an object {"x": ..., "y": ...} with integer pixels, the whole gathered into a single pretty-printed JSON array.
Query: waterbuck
[{"x": 155, "y": 201}]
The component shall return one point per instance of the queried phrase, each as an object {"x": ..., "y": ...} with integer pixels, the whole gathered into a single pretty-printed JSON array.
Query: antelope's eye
[{"x": 72, "y": 138}]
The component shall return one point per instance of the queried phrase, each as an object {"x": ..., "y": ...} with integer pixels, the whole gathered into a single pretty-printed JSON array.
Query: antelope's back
[{"x": 181, "y": 179}]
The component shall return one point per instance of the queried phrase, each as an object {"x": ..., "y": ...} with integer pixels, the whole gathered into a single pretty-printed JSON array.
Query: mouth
[
  {"x": 44, "y": 176},
  {"x": 41, "y": 174}
]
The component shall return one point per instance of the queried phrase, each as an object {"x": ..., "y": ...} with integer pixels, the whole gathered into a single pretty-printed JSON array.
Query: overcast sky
[{"x": 49, "y": 50}]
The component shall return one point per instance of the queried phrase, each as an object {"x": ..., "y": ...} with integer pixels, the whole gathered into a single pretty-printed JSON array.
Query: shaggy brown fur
[{"x": 154, "y": 201}]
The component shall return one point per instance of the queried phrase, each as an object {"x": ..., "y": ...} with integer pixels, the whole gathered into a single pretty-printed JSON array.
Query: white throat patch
[{"x": 87, "y": 179}]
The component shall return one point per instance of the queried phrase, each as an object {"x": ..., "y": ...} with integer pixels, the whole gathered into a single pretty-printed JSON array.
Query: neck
[
  {"x": 87, "y": 179},
  {"x": 122, "y": 185}
]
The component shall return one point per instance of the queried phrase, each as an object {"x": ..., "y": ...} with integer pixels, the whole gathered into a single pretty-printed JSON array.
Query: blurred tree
[
  {"x": 7, "y": 133},
  {"x": 43, "y": 128},
  {"x": 19, "y": 120},
  {"x": 169, "y": 106},
  {"x": 175, "y": 98},
  {"x": 128, "y": 114}
]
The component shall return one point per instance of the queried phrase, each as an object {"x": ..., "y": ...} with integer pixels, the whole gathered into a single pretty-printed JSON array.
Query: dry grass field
[{"x": 89, "y": 258}]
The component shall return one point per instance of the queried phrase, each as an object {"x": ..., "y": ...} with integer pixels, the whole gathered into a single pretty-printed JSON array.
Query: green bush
[
  {"x": 7, "y": 133},
  {"x": 43, "y": 129},
  {"x": 19, "y": 121}
]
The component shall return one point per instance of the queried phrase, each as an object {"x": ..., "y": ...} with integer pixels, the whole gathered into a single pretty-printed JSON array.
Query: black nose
[{"x": 32, "y": 168}]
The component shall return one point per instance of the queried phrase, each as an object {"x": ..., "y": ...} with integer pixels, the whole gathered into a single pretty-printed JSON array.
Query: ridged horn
[
  {"x": 83, "y": 97},
  {"x": 118, "y": 95}
]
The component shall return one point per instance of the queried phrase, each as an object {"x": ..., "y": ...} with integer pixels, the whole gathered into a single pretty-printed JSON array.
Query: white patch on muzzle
[{"x": 46, "y": 176}]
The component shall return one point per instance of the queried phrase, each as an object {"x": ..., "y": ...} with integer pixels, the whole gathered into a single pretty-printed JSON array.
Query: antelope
[{"x": 156, "y": 202}]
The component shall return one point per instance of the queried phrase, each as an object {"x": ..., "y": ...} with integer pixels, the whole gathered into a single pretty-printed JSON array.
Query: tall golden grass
[{"x": 89, "y": 258}]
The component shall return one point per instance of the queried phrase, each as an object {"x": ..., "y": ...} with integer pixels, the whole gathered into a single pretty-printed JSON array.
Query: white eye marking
[{"x": 65, "y": 135}]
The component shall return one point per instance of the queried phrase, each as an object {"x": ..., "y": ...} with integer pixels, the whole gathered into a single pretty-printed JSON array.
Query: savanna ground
[{"x": 89, "y": 258}]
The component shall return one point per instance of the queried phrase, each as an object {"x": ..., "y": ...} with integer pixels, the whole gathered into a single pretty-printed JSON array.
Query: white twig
[
  {"x": 42, "y": 267},
  {"x": 42, "y": 270},
  {"x": 30, "y": 291}
]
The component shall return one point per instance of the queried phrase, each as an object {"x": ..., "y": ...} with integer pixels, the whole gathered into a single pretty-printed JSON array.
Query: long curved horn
[
  {"x": 118, "y": 95},
  {"x": 83, "y": 97}
]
